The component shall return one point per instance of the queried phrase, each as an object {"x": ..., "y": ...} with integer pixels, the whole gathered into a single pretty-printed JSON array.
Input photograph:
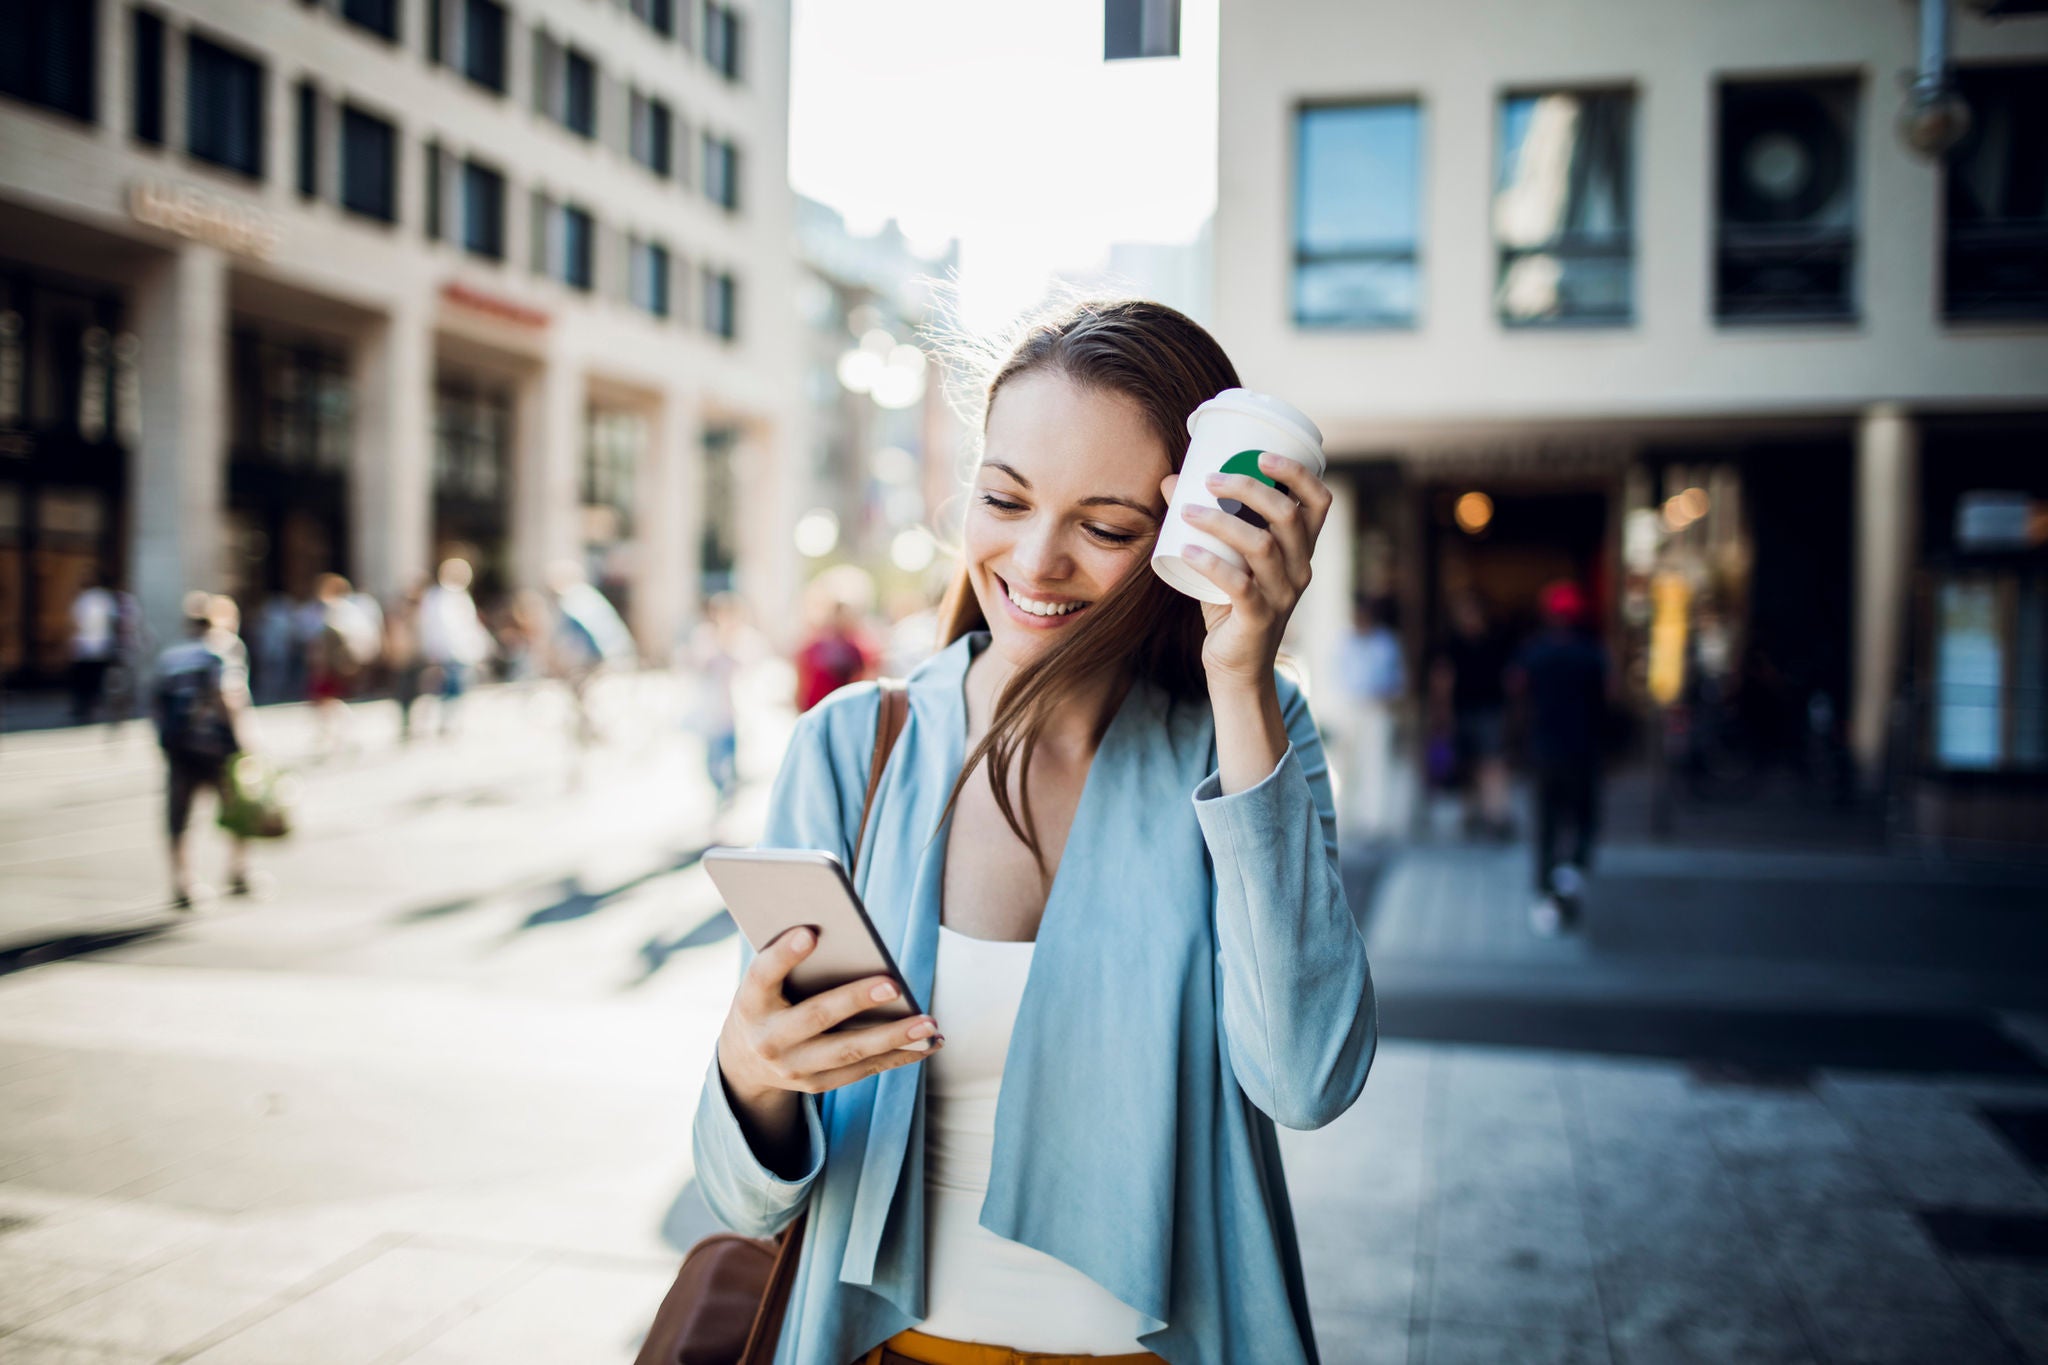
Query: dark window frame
[
  {"x": 306, "y": 101},
  {"x": 650, "y": 271},
  {"x": 578, "y": 111},
  {"x": 658, "y": 119},
  {"x": 224, "y": 60},
  {"x": 472, "y": 177},
  {"x": 383, "y": 18},
  {"x": 1307, "y": 258},
  {"x": 482, "y": 56},
  {"x": 724, "y": 37},
  {"x": 1994, "y": 265},
  {"x": 36, "y": 37},
  {"x": 1772, "y": 252},
  {"x": 380, "y": 204},
  {"x": 147, "y": 53}
]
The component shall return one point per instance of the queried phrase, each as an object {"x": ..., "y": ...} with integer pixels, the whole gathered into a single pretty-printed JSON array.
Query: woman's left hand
[{"x": 1244, "y": 634}]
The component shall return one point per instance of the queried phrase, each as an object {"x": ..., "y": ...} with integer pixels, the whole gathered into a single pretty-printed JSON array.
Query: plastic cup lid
[{"x": 1265, "y": 408}]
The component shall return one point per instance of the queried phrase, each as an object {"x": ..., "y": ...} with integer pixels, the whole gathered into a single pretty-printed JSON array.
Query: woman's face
[{"x": 1065, "y": 504}]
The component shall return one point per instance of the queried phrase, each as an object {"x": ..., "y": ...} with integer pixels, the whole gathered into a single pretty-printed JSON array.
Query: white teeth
[{"x": 1046, "y": 608}]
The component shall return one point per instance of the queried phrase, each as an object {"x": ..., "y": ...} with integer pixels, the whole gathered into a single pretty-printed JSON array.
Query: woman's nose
[{"x": 1040, "y": 553}]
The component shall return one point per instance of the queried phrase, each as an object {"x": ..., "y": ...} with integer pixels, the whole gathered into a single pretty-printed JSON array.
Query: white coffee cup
[{"x": 1228, "y": 433}]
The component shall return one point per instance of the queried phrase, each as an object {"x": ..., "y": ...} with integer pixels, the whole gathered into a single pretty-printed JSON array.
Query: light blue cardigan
[{"x": 1198, "y": 976}]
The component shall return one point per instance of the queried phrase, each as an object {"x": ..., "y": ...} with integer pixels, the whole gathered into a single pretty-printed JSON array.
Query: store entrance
[{"x": 1503, "y": 545}]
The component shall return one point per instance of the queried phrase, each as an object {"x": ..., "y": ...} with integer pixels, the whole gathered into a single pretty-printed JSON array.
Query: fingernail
[
  {"x": 1213, "y": 481},
  {"x": 1194, "y": 511},
  {"x": 923, "y": 1029},
  {"x": 1271, "y": 461},
  {"x": 883, "y": 991},
  {"x": 801, "y": 941},
  {"x": 921, "y": 1045}
]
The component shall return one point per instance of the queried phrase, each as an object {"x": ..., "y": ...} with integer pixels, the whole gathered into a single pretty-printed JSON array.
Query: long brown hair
[{"x": 1142, "y": 629}]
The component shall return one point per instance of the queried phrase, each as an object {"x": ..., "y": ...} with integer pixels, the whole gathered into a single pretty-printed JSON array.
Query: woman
[{"x": 1105, "y": 793}]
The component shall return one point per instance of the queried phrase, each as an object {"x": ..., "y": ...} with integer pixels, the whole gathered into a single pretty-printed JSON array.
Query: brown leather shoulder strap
[{"x": 767, "y": 1328}]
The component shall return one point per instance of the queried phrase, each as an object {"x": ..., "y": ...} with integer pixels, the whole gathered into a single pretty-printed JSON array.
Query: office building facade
[{"x": 360, "y": 284}]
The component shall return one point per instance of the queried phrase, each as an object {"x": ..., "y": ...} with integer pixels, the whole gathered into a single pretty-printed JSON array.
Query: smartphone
[{"x": 770, "y": 891}]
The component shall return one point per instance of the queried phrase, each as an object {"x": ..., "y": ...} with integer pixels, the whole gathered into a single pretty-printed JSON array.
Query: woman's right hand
[{"x": 771, "y": 1051}]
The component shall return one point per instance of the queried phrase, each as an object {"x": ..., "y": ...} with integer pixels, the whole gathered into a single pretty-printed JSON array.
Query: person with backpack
[{"x": 200, "y": 699}]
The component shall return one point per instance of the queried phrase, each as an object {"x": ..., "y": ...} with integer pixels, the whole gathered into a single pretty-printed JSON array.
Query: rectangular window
[
  {"x": 307, "y": 99},
  {"x": 369, "y": 157},
  {"x": 1563, "y": 208},
  {"x": 49, "y": 53},
  {"x": 650, "y": 132},
  {"x": 659, "y": 15},
  {"x": 647, "y": 277},
  {"x": 722, "y": 28},
  {"x": 578, "y": 112},
  {"x": 223, "y": 107},
  {"x": 577, "y": 265},
  {"x": 480, "y": 48},
  {"x": 483, "y": 211},
  {"x": 1786, "y": 241},
  {"x": 721, "y": 304},
  {"x": 1995, "y": 262},
  {"x": 148, "y": 59},
  {"x": 1357, "y": 217},
  {"x": 721, "y": 172},
  {"x": 541, "y": 224},
  {"x": 378, "y": 16},
  {"x": 1140, "y": 28},
  {"x": 436, "y": 171}
]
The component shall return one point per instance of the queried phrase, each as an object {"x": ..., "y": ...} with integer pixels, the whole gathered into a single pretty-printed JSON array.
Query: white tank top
[{"x": 981, "y": 1287}]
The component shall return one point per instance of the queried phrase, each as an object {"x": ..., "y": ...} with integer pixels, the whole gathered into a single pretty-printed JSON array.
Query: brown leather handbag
[{"x": 727, "y": 1303}]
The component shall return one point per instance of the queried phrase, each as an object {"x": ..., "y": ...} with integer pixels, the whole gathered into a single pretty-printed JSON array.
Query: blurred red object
[{"x": 1564, "y": 602}]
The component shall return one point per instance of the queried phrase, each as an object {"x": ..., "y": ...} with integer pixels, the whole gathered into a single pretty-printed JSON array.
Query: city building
[
  {"x": 883, "y": 443},
  {"x": 359, "y": 284},
  {"x": 1656, "y": 295}
]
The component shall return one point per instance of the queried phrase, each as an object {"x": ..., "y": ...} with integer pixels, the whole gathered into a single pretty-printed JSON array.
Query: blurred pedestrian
[
  {"x": 453, "y": 640},
  {"x": 588, "y": 637},
  {"x": 338, "y": 657},
  {"x": 1562, "y": 676},
  {"x": 95, "y": 618},
  {"x": 403, "y": 657},
  {"x": 123, "y": 692},
  {"x": 200, "y": 702},
  {"x": 1471, "y": 676},
  {"x": 838, "y": 650},
  {"x": 723, "y": 645},
  {"x": 1372, "y": 680},
  {"x": 279, "y": 661}
]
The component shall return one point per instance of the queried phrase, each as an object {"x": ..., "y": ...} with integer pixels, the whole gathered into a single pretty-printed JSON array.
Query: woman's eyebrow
[{"x": 1100, "y": 500}]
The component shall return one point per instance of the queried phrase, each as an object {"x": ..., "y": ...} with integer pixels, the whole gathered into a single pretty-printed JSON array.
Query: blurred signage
[
  {"x": 479, "y": 301},
  {"x": 1993, "y": 519},
  {"x": 203, "y": 216}
]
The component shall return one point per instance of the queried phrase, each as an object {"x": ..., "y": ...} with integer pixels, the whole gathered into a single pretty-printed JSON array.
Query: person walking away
[
  {"x": 720, "y": 647},
  {"x": 838, "y": 649},
  {"x": 338, "y": 656},
  {"x": 1473, "y": 671},
  {"x": 1562, "y": 676},
  {"x": 453, "y": 640},
  {"x": 1372, "y": 679},
  {"x": 587, "y": 638},
  {"x": 403, "y": 657},
  {"x": 94, "y": 622},
  {"x": 200, "y": 702}
]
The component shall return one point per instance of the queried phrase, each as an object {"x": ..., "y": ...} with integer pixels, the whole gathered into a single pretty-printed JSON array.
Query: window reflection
[
  {"x": 1563, "y": 208},
  {"x": 1358, "y": 216}
]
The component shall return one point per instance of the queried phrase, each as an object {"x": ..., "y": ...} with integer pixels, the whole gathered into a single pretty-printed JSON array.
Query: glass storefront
[
  {"x": 614, "y": 443},
  {"x": 292, "y": 411},
  {"x": 473, "y": 477}
]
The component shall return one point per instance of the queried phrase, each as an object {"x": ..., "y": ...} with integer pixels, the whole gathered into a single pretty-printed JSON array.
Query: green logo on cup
[{"x": 1247, "y": 462}]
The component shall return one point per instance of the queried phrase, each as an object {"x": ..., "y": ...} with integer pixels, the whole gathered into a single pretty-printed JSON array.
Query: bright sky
[{"x": 1000, "y": 124}]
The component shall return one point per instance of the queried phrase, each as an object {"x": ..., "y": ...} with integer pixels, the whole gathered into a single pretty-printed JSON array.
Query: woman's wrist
[
  {"x": 771, "y": 1119},
  {"x": 1251, "y": 734}
]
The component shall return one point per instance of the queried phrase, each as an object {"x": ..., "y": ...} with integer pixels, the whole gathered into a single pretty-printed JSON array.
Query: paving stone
[
  {"x": 379, "y": 1308},
  {"x": 157, "y": 1310},
  {"x": 1361, "y": 1339},
  {"x": 1361, "y": 1285},
  {"x": 1931, "y": 1148},
  {"x": 563, "y": 1313},
  {"x": 1514, "y": 1291},
  {"x": 1856, "y": 1335},
  {"x": 1463, "y": 1343},
  {"x": 1551, "y": 1230},
  {"x": 114, "y": 1236},
  {"x": 38, "y": 1350},
  {"x": 30, "y": 1289},
  {"x": 1871, "y": 1258},
  {"x": 2015, "y": 1295}
]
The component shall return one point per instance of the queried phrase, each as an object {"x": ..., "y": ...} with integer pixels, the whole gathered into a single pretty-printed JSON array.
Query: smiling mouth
[{"x": 1060, "y": 612}]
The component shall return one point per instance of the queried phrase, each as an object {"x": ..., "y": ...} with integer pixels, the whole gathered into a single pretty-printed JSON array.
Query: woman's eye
[
  {"x": 1000, "y": 504},
  {"x": 1111, "y": 537}
]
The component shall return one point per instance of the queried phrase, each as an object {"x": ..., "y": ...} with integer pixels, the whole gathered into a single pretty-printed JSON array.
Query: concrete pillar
[
  {"x": 769, "y": 573},
  {"x": 391, "y": 471},
  {"x": 546, "y": 503},
  {"x": 181, "y": 459},
  {"x": 1324, "y": 612},
  {"x": 1887, "y": 497},
  {"x": 668, "y": 530}
]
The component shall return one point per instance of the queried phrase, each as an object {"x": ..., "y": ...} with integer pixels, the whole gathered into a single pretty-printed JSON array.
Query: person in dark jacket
[{"x": 1563, "y": 680}]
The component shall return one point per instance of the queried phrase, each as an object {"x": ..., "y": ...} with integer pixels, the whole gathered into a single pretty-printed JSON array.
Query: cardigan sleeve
[
  {"x": 806, "y": 809},
  {"x": 1299, "y": 1016}
]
